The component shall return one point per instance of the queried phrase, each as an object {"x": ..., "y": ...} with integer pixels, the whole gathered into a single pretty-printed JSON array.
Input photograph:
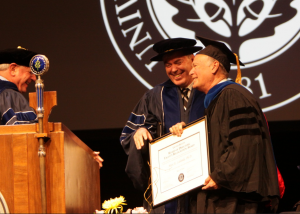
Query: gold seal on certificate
[
  {"x": 179, "y": 164},
  {"x": 181, "y": 177}
]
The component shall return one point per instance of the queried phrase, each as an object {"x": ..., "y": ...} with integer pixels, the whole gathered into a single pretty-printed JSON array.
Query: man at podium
[{"x": 15, "y": 76}]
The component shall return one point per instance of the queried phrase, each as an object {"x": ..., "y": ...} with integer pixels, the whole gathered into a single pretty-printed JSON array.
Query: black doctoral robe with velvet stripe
[{"x": 241, "y": 155}]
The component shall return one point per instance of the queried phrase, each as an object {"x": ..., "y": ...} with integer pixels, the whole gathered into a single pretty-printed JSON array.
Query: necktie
[{"x": 185, "y": 97}]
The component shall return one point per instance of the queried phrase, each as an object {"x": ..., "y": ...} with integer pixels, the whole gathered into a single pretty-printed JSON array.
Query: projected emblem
[
  {"x": 261, "y": 32},
  {"x": 257, "y": 31}
]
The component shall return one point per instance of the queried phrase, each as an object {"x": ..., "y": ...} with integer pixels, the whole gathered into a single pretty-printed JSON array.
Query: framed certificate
[{"x": 179, "y": 164}]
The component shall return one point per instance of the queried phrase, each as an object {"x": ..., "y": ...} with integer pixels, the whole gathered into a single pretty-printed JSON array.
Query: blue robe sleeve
[
  {"x": 14, "y": 109},
  {"x": 147, "y": 113}
]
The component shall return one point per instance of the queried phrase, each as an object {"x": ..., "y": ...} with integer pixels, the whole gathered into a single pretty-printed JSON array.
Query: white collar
[
  {"x": 2, "y": 78},
  {"x": 223, "y": 80}
]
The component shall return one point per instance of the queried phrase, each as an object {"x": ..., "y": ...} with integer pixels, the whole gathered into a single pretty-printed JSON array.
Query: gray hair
[
  {"x": 4, "y": 67},
  {"x": 222, "y": 68},
  {"x": 224, "y": 71}
]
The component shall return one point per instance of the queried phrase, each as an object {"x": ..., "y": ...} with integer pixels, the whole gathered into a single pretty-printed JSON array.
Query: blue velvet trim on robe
[
  {"x": 7, "y": 85},
  {"x": 138, "y": 120},
  {"x": 26, "y": 116},
  {"x": 171, "y": 108},
  {"x": 21, "y": 116},
  {"x": 214, "y": 91},
  {"x": 197, "y": 108}
]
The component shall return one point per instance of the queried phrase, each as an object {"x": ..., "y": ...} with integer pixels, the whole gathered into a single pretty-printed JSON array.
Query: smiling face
[
  {"x": 178, "y": 68},
  {"x": 22, "y": 77},
  {"x": 203, "y": 72}
]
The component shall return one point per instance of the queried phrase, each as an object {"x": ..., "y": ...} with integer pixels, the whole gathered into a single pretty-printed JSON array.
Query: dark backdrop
[
  {"x": 96, "y": 92},
  {"x": 95, "y": 89}
]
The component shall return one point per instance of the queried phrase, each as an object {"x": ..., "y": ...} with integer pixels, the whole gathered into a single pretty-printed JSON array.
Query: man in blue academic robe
[
  {"x": 15, "y": 76},
  {"x": 161, "y": 107}
]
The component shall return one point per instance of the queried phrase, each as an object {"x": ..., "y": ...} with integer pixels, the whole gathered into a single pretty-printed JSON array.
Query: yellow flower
[{"x": 114, "y": 204}]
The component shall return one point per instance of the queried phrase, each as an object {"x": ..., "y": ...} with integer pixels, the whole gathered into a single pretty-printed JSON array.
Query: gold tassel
[
  {"x": 239, "y": 73},
  {"x": 19, "y": 47}
]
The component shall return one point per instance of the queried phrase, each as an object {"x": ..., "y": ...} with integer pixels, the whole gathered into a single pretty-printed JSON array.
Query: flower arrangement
[{"x": 115, "y": 204}]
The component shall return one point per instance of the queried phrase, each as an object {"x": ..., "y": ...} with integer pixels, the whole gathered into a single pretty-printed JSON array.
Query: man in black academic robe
[
  {"x": 159, "y": 109},
  {"x": 243, "y": 176}
]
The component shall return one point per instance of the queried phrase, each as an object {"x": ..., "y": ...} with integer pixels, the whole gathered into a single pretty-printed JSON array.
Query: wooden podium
[{"x": 72, "y": 174}]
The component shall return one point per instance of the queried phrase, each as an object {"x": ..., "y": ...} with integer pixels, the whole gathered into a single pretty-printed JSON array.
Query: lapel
[{"x": 171, "y": 105}]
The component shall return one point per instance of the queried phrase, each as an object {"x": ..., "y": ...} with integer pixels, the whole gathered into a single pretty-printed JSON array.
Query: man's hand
[
  {"x": 210, "y": 184},
  {"x": 98, "y": 158},
  {"x": 140, "y": 135},
  {"x": 177, "y": 129}
]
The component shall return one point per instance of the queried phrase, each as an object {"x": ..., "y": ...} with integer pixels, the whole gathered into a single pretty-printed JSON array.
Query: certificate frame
[{"x": 179, "y": 164}]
